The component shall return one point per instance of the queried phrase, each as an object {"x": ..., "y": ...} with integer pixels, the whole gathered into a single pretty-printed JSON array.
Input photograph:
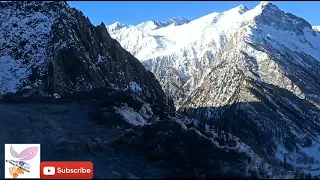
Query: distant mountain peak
[
  {"x": 117, "y": 26},
  {"x": 176, "y": 21},
  {"x": 265, "y": 3},
  {"x": 317, "y": 28},
  {"x": 179, "y": 20},
  {"x": 268, "y": 14},
  {"x": 242, "y": 8},
  {"x": 153, "y": 24}
]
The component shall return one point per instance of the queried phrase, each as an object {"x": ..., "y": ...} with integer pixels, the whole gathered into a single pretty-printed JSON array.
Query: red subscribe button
[{"x": 66, "y": 170}]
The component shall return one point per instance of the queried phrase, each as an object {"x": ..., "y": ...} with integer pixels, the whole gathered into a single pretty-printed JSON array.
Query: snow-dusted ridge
[
  {"x": 317, "y": 28},
  {"x": 181, "y": 56},
  {"x": 262, "y": 62},
  {"x": 50, "y": 49},
  {"x": 17, "y": 33}
]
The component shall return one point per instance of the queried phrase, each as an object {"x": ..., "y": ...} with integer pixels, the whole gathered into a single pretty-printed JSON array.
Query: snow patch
[
  {"x": 56, "y": 96},
  {"x": 146, "y": 111},
  {"x": 317, "y": 28},
  {"x": 314, "y": 150},
  {"x": 99, "y": 59},
  {"x": 134, "y": 87},
  {"x": 23, "y": 35},
  {"x": 11, "y": 74},
  {"x": 131, "y": 116},
  {"x": 264, "y": 3}
]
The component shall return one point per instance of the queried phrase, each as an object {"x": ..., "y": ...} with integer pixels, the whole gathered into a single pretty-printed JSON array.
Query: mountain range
[
  {"x": 68, "y": 85},
  {"x": 229, "y": 95},
  {"x": 251, "y": 72}
]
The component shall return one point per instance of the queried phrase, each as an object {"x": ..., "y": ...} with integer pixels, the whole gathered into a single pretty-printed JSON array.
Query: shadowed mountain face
[
  {"x": 68, "y": 131},
  {"x": 269, "y": 123},
  {"x": 100, "y": 131},
  {"x": 50, "y": 48},
  {"x": 186, "y": 153}
]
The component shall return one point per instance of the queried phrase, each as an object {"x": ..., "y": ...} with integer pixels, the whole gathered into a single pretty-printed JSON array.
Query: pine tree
[
  {"x": 308, "y": 176},
  {"x": 284, "y": 162},
  {"x": 296, "y": 174},
  {"x": 184, "y": 111}
]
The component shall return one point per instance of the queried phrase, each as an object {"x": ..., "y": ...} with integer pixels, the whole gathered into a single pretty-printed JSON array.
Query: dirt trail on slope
[{"x": 67, "y": 132}]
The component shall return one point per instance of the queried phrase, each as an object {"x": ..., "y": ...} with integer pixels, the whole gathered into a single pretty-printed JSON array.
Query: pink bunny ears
[{"x": 26, "y": 154}]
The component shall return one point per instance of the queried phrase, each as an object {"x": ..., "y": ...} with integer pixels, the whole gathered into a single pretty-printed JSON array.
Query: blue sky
[{"x": 139, "y": 11}]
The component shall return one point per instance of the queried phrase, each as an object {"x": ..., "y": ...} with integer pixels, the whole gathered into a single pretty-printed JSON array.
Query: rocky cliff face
[{"x": 51, "y": 49}]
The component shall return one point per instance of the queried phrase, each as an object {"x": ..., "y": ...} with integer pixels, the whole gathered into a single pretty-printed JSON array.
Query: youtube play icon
[{"x": 49, "y": 170}]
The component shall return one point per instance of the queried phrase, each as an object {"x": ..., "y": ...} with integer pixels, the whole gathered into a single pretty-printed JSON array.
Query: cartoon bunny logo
[
  {"x": 22, "y": 160},
  {"x": 25, "y": 155}
]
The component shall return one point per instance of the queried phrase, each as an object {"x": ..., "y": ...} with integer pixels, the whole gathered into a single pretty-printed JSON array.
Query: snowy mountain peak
[
  {"x": 179, "y": 20},
  {"x": 116, "y": 26},
  {"x": 188, "y": 49},
  {"x": 149, "y": 25},
  {"x": 241, "y": 8},
  {"x": 268, "y": 14},
  {"x": 264, "y": 3},
  {"x": 267, "y": 5},
  {"x": 152, "y": 25},
  {"x": 317, "y": 28}
]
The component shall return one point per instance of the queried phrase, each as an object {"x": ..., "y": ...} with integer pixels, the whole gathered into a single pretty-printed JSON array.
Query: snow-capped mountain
[
  {"x": 150, "y": 25},
  {"x": 51, "y": 50},
  {"x": 179, "y": 56},
  {"x": 317, "y": 28},
  {"x": 254, "y": 73}
]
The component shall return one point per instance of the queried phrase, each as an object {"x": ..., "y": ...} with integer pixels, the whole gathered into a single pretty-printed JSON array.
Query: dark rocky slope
[
  {"x": 52, "y": 49},
  {"x": 186, "y": 153}
]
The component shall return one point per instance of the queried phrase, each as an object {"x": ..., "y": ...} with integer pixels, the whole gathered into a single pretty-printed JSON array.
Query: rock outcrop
[{"x": 50, "y": 49}]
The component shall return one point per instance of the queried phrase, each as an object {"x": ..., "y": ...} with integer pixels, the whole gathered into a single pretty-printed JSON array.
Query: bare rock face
[{"x": 50, "y": 49}]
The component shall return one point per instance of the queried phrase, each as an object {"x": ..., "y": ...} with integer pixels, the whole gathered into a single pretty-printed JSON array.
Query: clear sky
[{"x": 140, "y": 11}]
